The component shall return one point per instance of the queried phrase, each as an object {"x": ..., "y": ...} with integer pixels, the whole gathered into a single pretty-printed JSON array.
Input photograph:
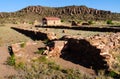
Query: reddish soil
[
  {"x": 5, "y": 70},
  {"x": 69, "y": 65}
]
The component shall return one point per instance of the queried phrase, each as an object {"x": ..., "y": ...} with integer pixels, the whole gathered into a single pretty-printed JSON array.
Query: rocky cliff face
[
  {"x": 72, "y": 10},
  {"x": 68, "y": 12}
]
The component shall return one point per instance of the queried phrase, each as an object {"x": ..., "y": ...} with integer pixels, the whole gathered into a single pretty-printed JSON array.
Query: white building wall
[{"x": 54, "y": 22}]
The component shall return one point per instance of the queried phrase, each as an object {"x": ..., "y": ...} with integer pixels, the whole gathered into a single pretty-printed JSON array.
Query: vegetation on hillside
[{"x": 67, "y": 13}]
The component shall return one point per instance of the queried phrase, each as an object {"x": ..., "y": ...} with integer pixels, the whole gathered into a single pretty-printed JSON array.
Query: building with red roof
[{"x": 51, "y": 21}]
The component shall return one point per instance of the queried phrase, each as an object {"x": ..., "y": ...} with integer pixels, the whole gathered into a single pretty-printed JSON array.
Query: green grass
[
  {"x": 40, "y": 51},
  {"x": 59, "y": 32},
  {"x": 9, "y": 36},
  {"x": 42, "y": 59},
  {"x": 113, "y": 74},
  {"x": 52, "y": 65},
  {"x": 42, "y": 68},
  {"x": 45, "y": 69},
  {"x": 20, "y": 65},
  {"x": 11, "y": 60},
  {"x": 22, "y": 45}
]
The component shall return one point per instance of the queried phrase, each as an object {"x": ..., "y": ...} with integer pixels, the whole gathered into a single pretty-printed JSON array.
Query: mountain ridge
[{"x": 31, "y": 13}]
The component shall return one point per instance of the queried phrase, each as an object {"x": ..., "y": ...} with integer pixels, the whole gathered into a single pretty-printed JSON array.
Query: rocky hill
[{"x": 31, "y": 13}]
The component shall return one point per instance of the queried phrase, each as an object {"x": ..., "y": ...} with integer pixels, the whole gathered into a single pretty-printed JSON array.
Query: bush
[
  {"x": 54, "y": 66},
  {"x": 40, "y": 51},
  {"x": 22, "y": 45},
  {"x": 15, "y": 22},
  {"x": 31, "y": 23},
  {"x": 79, "y": 21},
  {"x": 20, "y": 65},
  {"x": 11, "y": 60},
  {"x": 42, "y": 59},
  {"x": 109, "y": 22},
  {"x": 62, "y": 20},
  {"x": 46, "y": 41},
  {"x": 114, "y": 75},
  {"x": 90, "y": 22}
]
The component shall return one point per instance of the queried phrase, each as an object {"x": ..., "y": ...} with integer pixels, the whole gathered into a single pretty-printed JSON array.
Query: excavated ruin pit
[{"x": 83, "y": 53}]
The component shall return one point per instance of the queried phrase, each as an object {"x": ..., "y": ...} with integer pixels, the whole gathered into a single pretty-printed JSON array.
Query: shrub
[
  {"x": 46, "y": 41},
  {"x": 79, "y": 21},
  {"x": 20, "y": 65},
  {"x": 114, "y": 74},
  {"x": 40, "y": 51},
  {"x": 109, "y": 22},
  {"x": 22, "y": 44},
  {"x": 31, "y": 23},
  {"x": 11, "y": 60},
  {"x": 42, "y": 59},
  {"x": 62, "y": 20},
  {"x": 90, "y": 22},
  {"x": 54, "y": 66},
  {"x": 15, "y": 23}
]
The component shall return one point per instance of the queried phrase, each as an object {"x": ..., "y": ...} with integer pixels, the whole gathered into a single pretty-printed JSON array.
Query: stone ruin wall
[
  {"x": 94, "y": 51},
  {"x": 94, "y": 48}
]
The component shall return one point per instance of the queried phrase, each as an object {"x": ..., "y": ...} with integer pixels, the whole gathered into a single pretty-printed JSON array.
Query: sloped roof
[{"x": 51, "y": 18}]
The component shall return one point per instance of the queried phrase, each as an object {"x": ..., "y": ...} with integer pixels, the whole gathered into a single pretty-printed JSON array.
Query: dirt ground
[
  {"x": 5, "y": 70},
  {"x": 69, "y": 65},
  {"x": 9, "y": 36}
]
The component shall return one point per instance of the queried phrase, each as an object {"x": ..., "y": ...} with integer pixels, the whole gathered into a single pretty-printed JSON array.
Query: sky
[{"x": 15, "y": 5}]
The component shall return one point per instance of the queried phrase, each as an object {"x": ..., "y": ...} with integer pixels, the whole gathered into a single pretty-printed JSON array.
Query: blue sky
[{"x": 14, "y": 5}]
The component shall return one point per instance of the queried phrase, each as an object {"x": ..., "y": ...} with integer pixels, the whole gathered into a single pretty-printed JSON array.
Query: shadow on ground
[
  {"x": 32, "y": 34},
  {"x": 97, "y": 29},
  {"x": 83, "y": 53}
]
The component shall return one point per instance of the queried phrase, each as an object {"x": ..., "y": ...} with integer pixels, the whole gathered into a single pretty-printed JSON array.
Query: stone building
[{"x": 51, "y": 21}]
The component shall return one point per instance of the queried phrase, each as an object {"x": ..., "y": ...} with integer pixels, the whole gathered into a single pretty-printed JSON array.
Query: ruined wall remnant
[
  {"x": 83, "y": 53},
  {"x": 92, "y": 52},
  {"x": 54, "y": 48},
  {"x": 25, "y": 51},
  {"x": 36, "y": 34}
]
